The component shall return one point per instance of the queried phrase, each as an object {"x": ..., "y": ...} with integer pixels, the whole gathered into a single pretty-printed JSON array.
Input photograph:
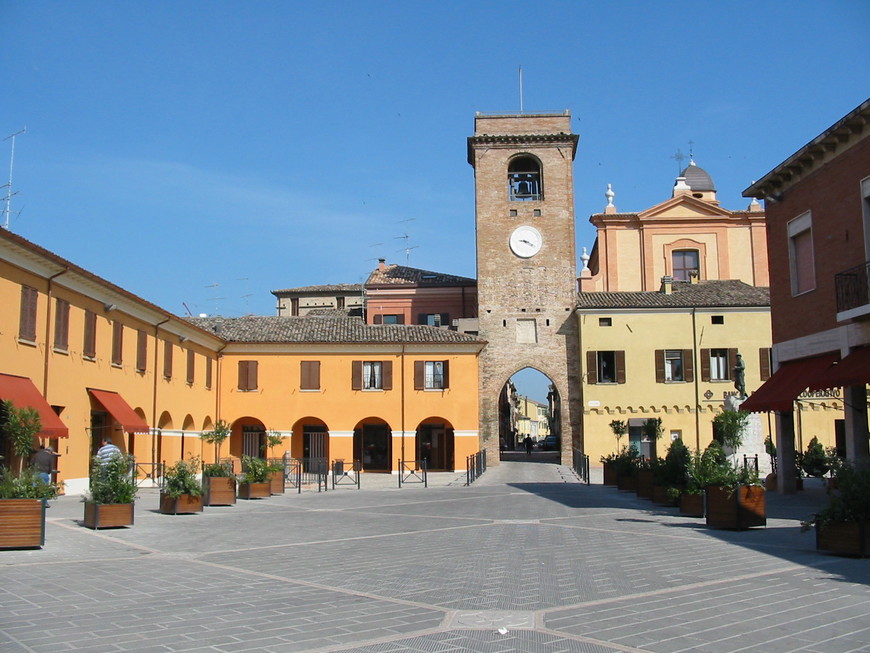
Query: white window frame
[
  {"x": 719, "y": 365},
  {"x": 672, "y": 355},
  {"x": 433, "y": 375},
  {"x": 373, "y": 375}
]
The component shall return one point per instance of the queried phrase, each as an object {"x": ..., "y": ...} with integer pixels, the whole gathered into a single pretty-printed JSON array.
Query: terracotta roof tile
[
  {"x": 394, "y": 274},
  {"x": 325, "y": 290},
  {"x": 684, "y": 295},
  {"x": 324, "y": 330}
]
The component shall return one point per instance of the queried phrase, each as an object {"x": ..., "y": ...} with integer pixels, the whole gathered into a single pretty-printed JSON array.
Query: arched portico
[
  {"x": 310, "y": 439},
  {"x": 248, "y": 438},
  {"x": 373, "y": 445},
  {"x": 435, "y": 444}
]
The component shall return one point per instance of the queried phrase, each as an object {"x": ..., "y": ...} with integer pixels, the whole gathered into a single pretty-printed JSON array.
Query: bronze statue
[{"x": 740, "y": 377}]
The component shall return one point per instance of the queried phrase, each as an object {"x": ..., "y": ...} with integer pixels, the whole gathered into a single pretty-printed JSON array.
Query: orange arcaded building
[{"x": 97, "y": 361}]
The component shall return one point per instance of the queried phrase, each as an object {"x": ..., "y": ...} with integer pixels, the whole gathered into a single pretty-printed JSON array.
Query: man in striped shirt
[{"x": 107, "y": 451}]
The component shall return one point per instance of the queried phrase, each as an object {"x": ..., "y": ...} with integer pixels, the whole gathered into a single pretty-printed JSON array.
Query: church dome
[{"x": 698, "y": 179}]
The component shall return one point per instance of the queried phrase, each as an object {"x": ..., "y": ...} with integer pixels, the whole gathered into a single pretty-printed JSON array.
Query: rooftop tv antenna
[
  {"x": 9, "y": 192},
  {"x": 216, "y": 300}
]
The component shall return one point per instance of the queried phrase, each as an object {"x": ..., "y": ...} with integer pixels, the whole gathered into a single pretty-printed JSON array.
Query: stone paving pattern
[{"x": 525, "y": 559}]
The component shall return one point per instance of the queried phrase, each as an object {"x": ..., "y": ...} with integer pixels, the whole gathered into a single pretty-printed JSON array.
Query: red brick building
[
  {"x": 818, "y": 237},
  {"x": 398, "y": 294}
]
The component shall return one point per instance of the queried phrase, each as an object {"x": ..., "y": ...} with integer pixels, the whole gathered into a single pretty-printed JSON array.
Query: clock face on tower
[{"x": 526, "y": 241}]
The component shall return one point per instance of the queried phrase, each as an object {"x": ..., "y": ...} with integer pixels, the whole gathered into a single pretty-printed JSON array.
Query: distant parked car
[{"x": 550, "y": 443}]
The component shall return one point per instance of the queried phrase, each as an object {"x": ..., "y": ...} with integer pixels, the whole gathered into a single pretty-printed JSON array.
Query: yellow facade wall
[{"x": 686, "y": 408}]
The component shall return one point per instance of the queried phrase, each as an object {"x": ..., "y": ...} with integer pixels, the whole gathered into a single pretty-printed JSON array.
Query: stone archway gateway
[{"x": 526, "y": 262}]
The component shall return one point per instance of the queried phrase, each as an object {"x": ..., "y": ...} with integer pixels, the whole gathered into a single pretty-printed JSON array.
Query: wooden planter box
[
  {"x": 22, "y": 523},
  {"x": 692, "y": 505},
  {"x": 644, "y": 483},
  {"x": 218, "y": 490},
  {"x": 627, "y": 483},
  {"x": 182, "y": 504},
  {"x": 276, "y": 480},
  {"x": 609, "y": 474},
  {"x": 660, "y": 496},
  {"x": 736, "y": 508},
  {"x": 255, "y": 490},
  {"x": 843, "y": 538},
  {"x": 108, "y": 515}
]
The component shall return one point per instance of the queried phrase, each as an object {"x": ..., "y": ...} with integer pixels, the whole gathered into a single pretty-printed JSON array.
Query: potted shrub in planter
[
  {"x": 276, "y": 465},
  {"x": 626, "y": 469},
  {"x": 609, "y": 462},
  {"x": 843, "y": 526},
  {"x": 645, "y": 477},
  {"x": 670, "y": 475},
  {"x": 218, "y": 485},
  {"x": 255, "y": 483},
  {"x": 652, "y": 431},
  {"x": 218, "y": 480},
  {"x": 815, "y": 461},
  {"x": 23, "y": 495},
  {"x": 619, "y": 429},
  {"x": 703, "y": 470},
  {"x": 181, "y": 491},
  {"x": 734, "y": 498},
  {"x": 110, "y": 499}
]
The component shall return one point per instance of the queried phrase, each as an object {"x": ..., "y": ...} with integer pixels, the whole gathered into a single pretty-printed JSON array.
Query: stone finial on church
[
  {"x": 609, "y": 194},
  {"x": 681, "y": 187},
  {"x": 584, "y": 258}
]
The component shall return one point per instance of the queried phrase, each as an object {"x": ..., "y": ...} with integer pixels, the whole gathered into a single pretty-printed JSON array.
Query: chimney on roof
[
  {"x": 694, "y": 277},
  {"x": 667, "y": 285},
  {"x": 382, "y": 264}
]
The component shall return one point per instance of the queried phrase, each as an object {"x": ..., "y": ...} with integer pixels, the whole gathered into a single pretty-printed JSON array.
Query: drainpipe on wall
[
  {"x": 403, "y": 405},
  {"x": 49, "y": 345},
  {"x": 695, "y": 376},
  {"x": 154, "y": 393}
]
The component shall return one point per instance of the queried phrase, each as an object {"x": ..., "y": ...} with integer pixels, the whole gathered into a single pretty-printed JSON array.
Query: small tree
[
  {"x": 216, "y": 436},
  {"x": 728, "y": 427},
  {"x": 21, "y": 427},
  {"x": 815, "y": 462},
  {"x": 652, "y": 429},
  {"x": 273, "y": 439},
  {"x": 619, "y": 429}
]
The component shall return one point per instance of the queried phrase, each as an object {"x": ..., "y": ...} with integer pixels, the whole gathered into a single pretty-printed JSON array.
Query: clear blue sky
[{"x": 171, "y": 146}]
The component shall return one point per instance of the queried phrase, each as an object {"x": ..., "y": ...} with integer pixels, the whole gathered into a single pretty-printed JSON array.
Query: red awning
[
  {"x": 21, "y": 392},
  {"x": 120, "y": 410},
  {"x": 852, "y": 370},
  {"x": 792, "y": 378}
]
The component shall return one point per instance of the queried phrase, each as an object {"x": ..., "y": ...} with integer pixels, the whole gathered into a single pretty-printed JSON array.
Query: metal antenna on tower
[
  {"x": 8, "y": 186},
  {"x": 521, "y": 89}
]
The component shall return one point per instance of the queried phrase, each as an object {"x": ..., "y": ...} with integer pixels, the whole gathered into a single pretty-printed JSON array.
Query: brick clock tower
[{"x": 526, "y": 262}]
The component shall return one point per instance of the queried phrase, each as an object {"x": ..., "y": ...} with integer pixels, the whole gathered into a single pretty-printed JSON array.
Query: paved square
[{"x": 526, "y": 559}]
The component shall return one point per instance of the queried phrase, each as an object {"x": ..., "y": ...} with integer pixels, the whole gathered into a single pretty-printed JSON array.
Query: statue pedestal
[{"x": 753, "y": 440}]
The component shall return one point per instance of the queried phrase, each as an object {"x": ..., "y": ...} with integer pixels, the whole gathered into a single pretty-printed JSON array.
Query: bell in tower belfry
[{"x": 526, "y": 264}]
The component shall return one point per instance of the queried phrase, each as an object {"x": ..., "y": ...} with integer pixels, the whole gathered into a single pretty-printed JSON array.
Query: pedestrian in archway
[{"x": 528, "y": 442}]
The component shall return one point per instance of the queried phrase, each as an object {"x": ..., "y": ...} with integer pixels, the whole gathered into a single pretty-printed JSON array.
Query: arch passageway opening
[{"x": 528, "y": 411}]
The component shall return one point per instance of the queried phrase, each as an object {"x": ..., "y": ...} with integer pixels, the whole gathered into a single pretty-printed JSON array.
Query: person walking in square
[{"x": 107, "y": 451}]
